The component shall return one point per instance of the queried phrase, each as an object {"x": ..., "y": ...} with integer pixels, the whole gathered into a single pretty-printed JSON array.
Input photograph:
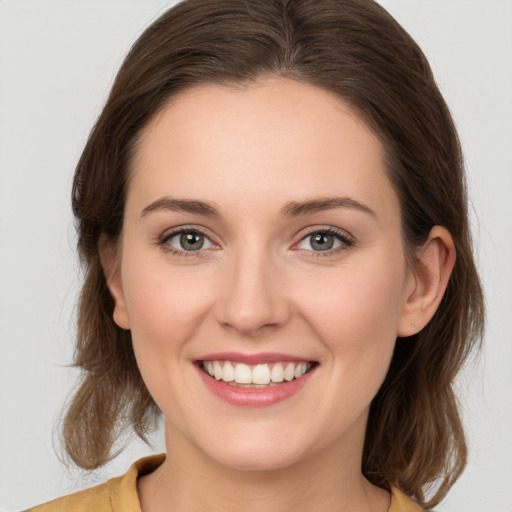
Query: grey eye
[
  {"x": 189, "y": 241},
  {"x": 320, "y": 241}
]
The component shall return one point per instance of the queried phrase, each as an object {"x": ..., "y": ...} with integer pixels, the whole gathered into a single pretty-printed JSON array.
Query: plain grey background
[{"x": 57, "y": 62}]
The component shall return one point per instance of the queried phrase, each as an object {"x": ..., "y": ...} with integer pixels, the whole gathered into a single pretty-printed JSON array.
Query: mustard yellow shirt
[{"x": 120, "y": 494}]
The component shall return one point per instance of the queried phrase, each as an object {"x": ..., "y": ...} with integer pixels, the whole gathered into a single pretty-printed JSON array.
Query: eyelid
[
  {"x": 177, "y": 230},
  {"x": 346, "y": 239}
]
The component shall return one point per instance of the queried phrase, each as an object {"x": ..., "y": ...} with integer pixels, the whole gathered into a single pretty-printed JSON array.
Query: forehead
[{"x": 275, "y": 136}]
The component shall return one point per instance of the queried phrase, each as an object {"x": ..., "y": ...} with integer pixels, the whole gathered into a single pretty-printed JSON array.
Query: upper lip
[{"x": 253, "y": 359}]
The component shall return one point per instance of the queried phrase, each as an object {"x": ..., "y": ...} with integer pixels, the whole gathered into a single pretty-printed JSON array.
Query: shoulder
[
  {"x": 400, "y": 502},
  {"x": 96, "y": 498},
  {"x": 116, "y": 495}
]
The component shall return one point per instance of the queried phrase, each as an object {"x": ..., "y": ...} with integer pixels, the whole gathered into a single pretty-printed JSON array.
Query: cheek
[
  {"x": 165, "y": 304},
  {"x": 355, "y": 312},
  {"x": 356, "y": 306},
  {"x": 165, "y": 307}
]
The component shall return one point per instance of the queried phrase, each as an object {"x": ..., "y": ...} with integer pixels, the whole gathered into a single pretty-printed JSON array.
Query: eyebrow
[
  {"x": 182, "y": 205},
  {"x": 291, "y": 209},
  {"x": 299, "y": 208}
]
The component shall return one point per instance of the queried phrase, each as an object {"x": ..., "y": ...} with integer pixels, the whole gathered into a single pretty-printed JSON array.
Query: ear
[
  {"x": 431, "y": 271},
  {"x": 110, "y": 262}
]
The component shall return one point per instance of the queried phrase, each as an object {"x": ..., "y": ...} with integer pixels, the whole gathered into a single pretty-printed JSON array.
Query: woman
[{"x": 272, "y": 215}]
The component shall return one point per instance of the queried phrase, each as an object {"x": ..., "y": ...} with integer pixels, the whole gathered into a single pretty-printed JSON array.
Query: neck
[{"x": 328, "y": 480}]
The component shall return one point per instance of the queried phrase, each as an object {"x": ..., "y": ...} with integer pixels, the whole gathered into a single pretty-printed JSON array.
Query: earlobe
[
  {"x": 432, "y": 269},
  {"x": 111, "y": 269}
]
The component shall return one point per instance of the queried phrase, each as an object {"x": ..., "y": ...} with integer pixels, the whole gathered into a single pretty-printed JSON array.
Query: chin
[
  {"x": 256, "y": 452},
  {"x": 255, "y": 460}
]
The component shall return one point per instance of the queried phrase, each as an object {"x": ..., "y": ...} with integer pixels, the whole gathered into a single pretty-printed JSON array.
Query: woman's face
[{"x": 261, "y": 240}]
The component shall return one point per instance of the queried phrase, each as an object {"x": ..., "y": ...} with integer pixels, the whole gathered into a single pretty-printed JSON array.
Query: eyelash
[
  {"x": 346, "y": 242},
  {"x": 163, "y": 242}
]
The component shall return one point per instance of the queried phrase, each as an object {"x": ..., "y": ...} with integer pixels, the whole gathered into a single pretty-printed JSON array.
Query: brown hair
[{"x": 356, "y": 50}]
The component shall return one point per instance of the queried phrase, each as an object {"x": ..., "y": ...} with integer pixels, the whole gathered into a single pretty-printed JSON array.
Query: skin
[{"x": 258, "y": 285}]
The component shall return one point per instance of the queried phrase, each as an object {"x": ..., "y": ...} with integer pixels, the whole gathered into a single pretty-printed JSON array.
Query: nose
[{"x": 253, "y": 297}]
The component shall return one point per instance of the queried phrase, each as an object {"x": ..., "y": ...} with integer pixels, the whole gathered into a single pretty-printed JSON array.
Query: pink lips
[
  {"x": 237, "y": 357},
  {"x": 253, "y": 397}
]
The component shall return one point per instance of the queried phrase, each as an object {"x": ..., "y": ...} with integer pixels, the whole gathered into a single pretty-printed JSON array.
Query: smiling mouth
[{"x": 256, "y": 376}]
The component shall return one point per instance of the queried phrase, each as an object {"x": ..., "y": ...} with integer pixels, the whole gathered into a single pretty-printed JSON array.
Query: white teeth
[
  {"x": 261, "y": 374},
  {"x": 289, "y": 371},
  {"x": 300, "y": 370},
  {"x": 243, "y": 374},
  {"x": 277, "y": 374},
  {"x": 228, "y": 372},
  {"x": 217, "y": 370}
]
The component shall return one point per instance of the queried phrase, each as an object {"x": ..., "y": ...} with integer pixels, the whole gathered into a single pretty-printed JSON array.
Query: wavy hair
[{"x": 356, "y": 50}]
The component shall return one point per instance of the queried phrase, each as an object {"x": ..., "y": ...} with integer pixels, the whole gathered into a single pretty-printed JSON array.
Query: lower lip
[{"x": 254, "y": 397}]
